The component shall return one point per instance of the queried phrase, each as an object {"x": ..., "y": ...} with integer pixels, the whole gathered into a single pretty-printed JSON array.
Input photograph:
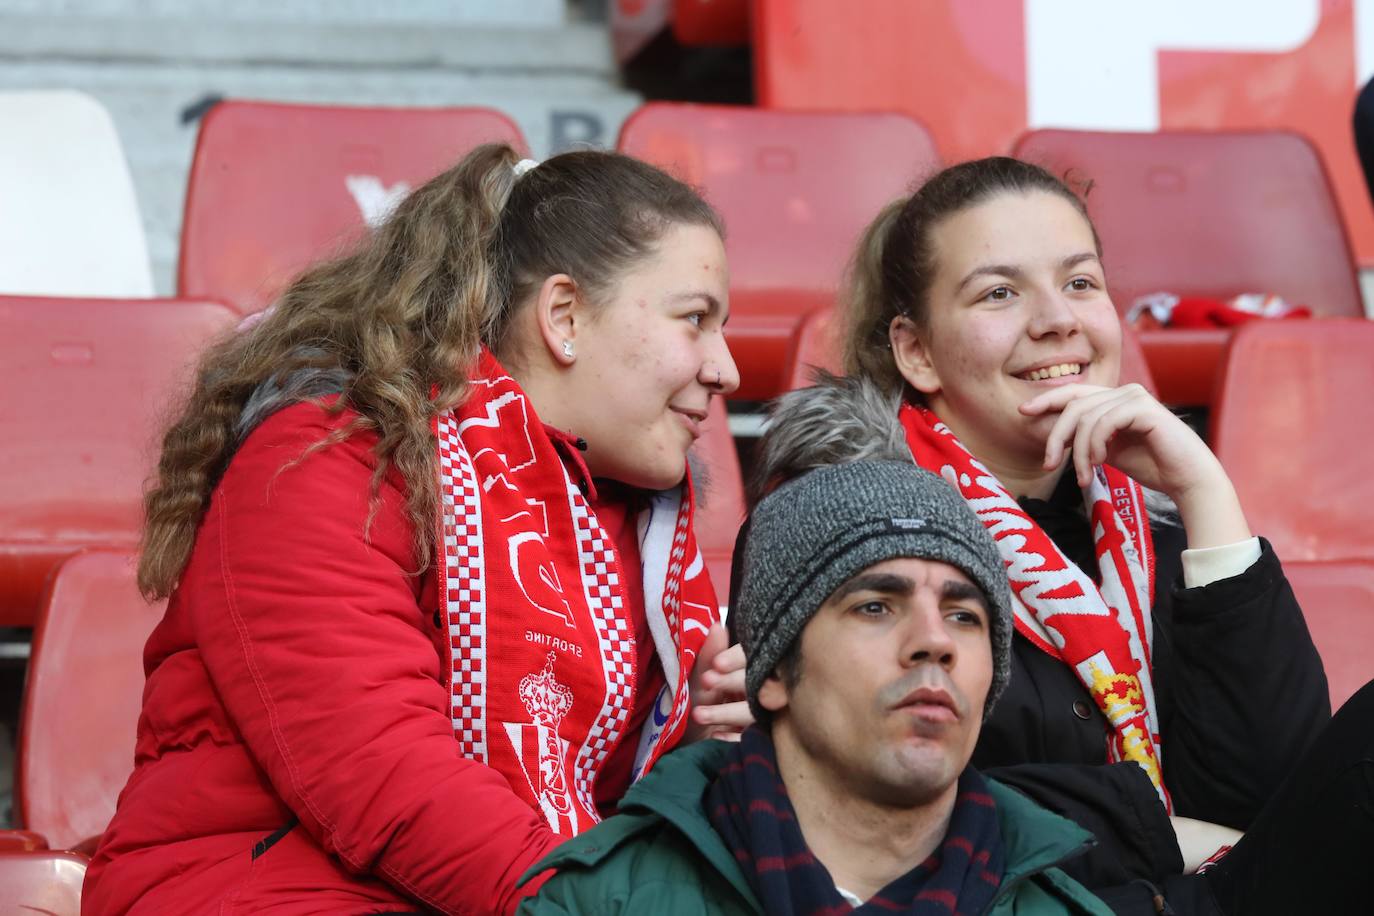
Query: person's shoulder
[
  {"x": 633, "y": 863},
  {"x": 303, "y": 422}
]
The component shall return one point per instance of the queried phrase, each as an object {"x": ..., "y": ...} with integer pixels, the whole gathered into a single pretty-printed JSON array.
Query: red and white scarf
[
  {"x": 1103, "y": 632},
  {"x": 541, "y": 661}
]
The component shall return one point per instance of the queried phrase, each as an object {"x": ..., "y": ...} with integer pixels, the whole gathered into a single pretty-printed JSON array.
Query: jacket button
[{"x": 1082, "y": 709}]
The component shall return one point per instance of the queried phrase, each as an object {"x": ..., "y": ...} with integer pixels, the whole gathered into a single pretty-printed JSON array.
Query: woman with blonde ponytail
[{"x": 426, "y": 535}]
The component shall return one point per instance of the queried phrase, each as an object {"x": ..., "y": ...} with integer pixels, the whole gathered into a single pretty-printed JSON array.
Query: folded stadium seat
[
  {"x": 817, "y": 345},
  {"x": 720, "y": 496},
  {"x": 1337, "y": 599},
  {"x": 82, "y": 698},
  {"x": 1294, "y": 426},
  {"x": 275, "y": 187},
  {"x": 70, "y": 224},
  {"x": 42, "y": 882},
  {"x": 88, "y": 384},
  {"x": 1210, "y": 214},
  {"x": 795, "y": 190}
]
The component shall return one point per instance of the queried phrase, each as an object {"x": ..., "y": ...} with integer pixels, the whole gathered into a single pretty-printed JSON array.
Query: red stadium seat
[
  {"x": 275, "y": 187},
  {"x": 12, "y": 841},
  {"x": 1294, "y": 426},
  {"x": 817, "y": 345},
  {"x": 795, "y": 189},
  {"x": 42, "y": 882},
  {"x": 87, "y": 385},
  {"x": 82, "y": 699},
  {"x": 1337, "y": 599},
  {"x": 1207, "y": 214},
  {"x": 720, "y": 503}
]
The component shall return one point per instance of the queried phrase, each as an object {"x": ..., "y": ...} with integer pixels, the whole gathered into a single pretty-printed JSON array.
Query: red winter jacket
[{"x": 240, "y": 800}]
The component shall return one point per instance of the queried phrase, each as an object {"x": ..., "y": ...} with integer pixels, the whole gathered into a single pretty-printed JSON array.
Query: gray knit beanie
[{"x": 815, "y": 532}]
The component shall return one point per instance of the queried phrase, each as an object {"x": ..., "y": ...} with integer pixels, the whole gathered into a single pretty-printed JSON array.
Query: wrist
[{"x": 1211, "y": 513}]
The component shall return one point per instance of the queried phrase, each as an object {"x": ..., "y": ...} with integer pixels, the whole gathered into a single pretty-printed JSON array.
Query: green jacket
[{"x": 661, "y": 855}]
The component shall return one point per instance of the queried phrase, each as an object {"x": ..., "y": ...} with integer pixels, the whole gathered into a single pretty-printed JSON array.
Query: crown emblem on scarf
[{"x": 546, "y": 700}]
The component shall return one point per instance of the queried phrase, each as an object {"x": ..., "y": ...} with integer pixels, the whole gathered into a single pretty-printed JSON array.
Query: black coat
[{"x": 1240, "y": 693}]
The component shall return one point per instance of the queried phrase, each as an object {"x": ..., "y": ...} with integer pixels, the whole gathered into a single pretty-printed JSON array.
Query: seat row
[
  {"x": 91, "y": 384},
  {"x": 274, "y": 187}
]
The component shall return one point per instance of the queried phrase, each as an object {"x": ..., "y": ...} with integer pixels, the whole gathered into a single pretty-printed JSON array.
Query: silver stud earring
[{"x": 567, "y": 349}]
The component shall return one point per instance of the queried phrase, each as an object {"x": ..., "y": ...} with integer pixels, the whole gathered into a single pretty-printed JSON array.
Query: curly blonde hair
[{"x": 399, "y": 322}]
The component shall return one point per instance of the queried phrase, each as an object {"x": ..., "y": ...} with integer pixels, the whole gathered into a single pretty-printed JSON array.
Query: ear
[
  {"x": 773, "y": 694},
  {"x": 912, "y": 356},
  {"x": 558, "y": 313}
]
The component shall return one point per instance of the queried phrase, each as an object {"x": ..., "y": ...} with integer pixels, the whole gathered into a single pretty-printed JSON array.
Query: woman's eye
[
  {"x": 697, "y": 318},
  {"x": 1081, "y": 284},
  {"x": 999, "y": 294}
]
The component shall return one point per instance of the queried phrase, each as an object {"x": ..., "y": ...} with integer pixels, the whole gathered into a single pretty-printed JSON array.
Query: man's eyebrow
[
  {"x": 954, "y": 590},
  {"x": 883, "y": 583}
]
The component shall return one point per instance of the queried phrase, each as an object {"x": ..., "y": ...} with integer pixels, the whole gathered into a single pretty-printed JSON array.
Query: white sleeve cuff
[{"x": 1206, "y": 565}]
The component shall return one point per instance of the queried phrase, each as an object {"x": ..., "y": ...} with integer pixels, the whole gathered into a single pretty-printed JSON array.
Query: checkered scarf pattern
[
  {"x": 749, "y": 807},
  {"x": 538, "y": 636},
  {"x": 1102, "y": 631}
]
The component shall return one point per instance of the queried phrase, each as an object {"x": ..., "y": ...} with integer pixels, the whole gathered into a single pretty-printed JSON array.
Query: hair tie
[{"x": 523, "y": 166}]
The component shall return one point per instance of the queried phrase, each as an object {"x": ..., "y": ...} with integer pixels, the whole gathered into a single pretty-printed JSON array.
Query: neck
[
  {"x": 864, "y": 844},
  {"x": 1021, "y": 474},
  {"x": 1024, "y": 480}
]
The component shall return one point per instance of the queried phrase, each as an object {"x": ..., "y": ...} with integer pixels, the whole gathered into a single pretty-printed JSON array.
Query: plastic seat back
[
  {"x": 720, "y": 501},
  {"x": 1209, "y": 213},
  {"x": 1337, "y": 599},
  {"x": 817, "y": 345},
  {"x": 1294, "y": 426},
  {"x": 274, "y": 187},
  {"x": 83, "y": 696},
  {"x": 795, "y": 189},
  {"x": 88, "y": 385},
  {"x": 42, "y": 882},
  {"x": 69, "y": 222}
]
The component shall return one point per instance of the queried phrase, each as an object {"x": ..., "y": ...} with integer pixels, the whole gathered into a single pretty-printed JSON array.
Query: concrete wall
[{"x": 151, "y": 61}]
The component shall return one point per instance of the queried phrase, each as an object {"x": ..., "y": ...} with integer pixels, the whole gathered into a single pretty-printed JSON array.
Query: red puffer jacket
[{"x": 239, "y": 801}]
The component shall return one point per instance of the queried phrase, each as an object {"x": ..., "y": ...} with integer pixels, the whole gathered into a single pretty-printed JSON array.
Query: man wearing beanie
[{"x": 875, "y": 616}]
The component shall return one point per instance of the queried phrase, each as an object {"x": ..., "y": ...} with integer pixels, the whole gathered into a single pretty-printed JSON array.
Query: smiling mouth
[
  {"x": 693, "y": 419},
  {"x": 1049, "y": 372}
]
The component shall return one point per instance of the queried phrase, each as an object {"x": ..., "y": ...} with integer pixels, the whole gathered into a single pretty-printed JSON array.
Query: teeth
[{"x": 1054, "y": 371}]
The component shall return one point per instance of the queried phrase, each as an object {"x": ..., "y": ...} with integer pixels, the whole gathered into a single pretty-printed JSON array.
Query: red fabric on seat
[
  {"x": 720, "y": 503},
  {"x": 1208, "y": 214},
  {"x": 1337, "y": 599},
  {"x": 82, "y": 698},
  {"x": 796, "y": 189},
  {"x": 270, "y": 193},
  {"x": 1294, "y": 425},
  {"x": 42, "y": 882},
  {"x": 88, "y": 385}
]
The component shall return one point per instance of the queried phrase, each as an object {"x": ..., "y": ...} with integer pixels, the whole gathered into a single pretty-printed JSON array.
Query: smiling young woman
[
  {"x": 426, "y": 529},
  {"x": 1164, "y": 685}
]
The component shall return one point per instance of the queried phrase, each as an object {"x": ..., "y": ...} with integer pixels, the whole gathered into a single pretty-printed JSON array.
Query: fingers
[
  {"x": 1089, "y": 401},
  {"x": 1096, "y": 426},
  {"x": 1058, "y": 398},
  {"x": 730, "y": 660},
  {"x": 723, "y": 717}
]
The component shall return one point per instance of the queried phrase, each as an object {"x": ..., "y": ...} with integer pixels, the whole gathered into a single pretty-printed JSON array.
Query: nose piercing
[{"x": 717, "y": 376}]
